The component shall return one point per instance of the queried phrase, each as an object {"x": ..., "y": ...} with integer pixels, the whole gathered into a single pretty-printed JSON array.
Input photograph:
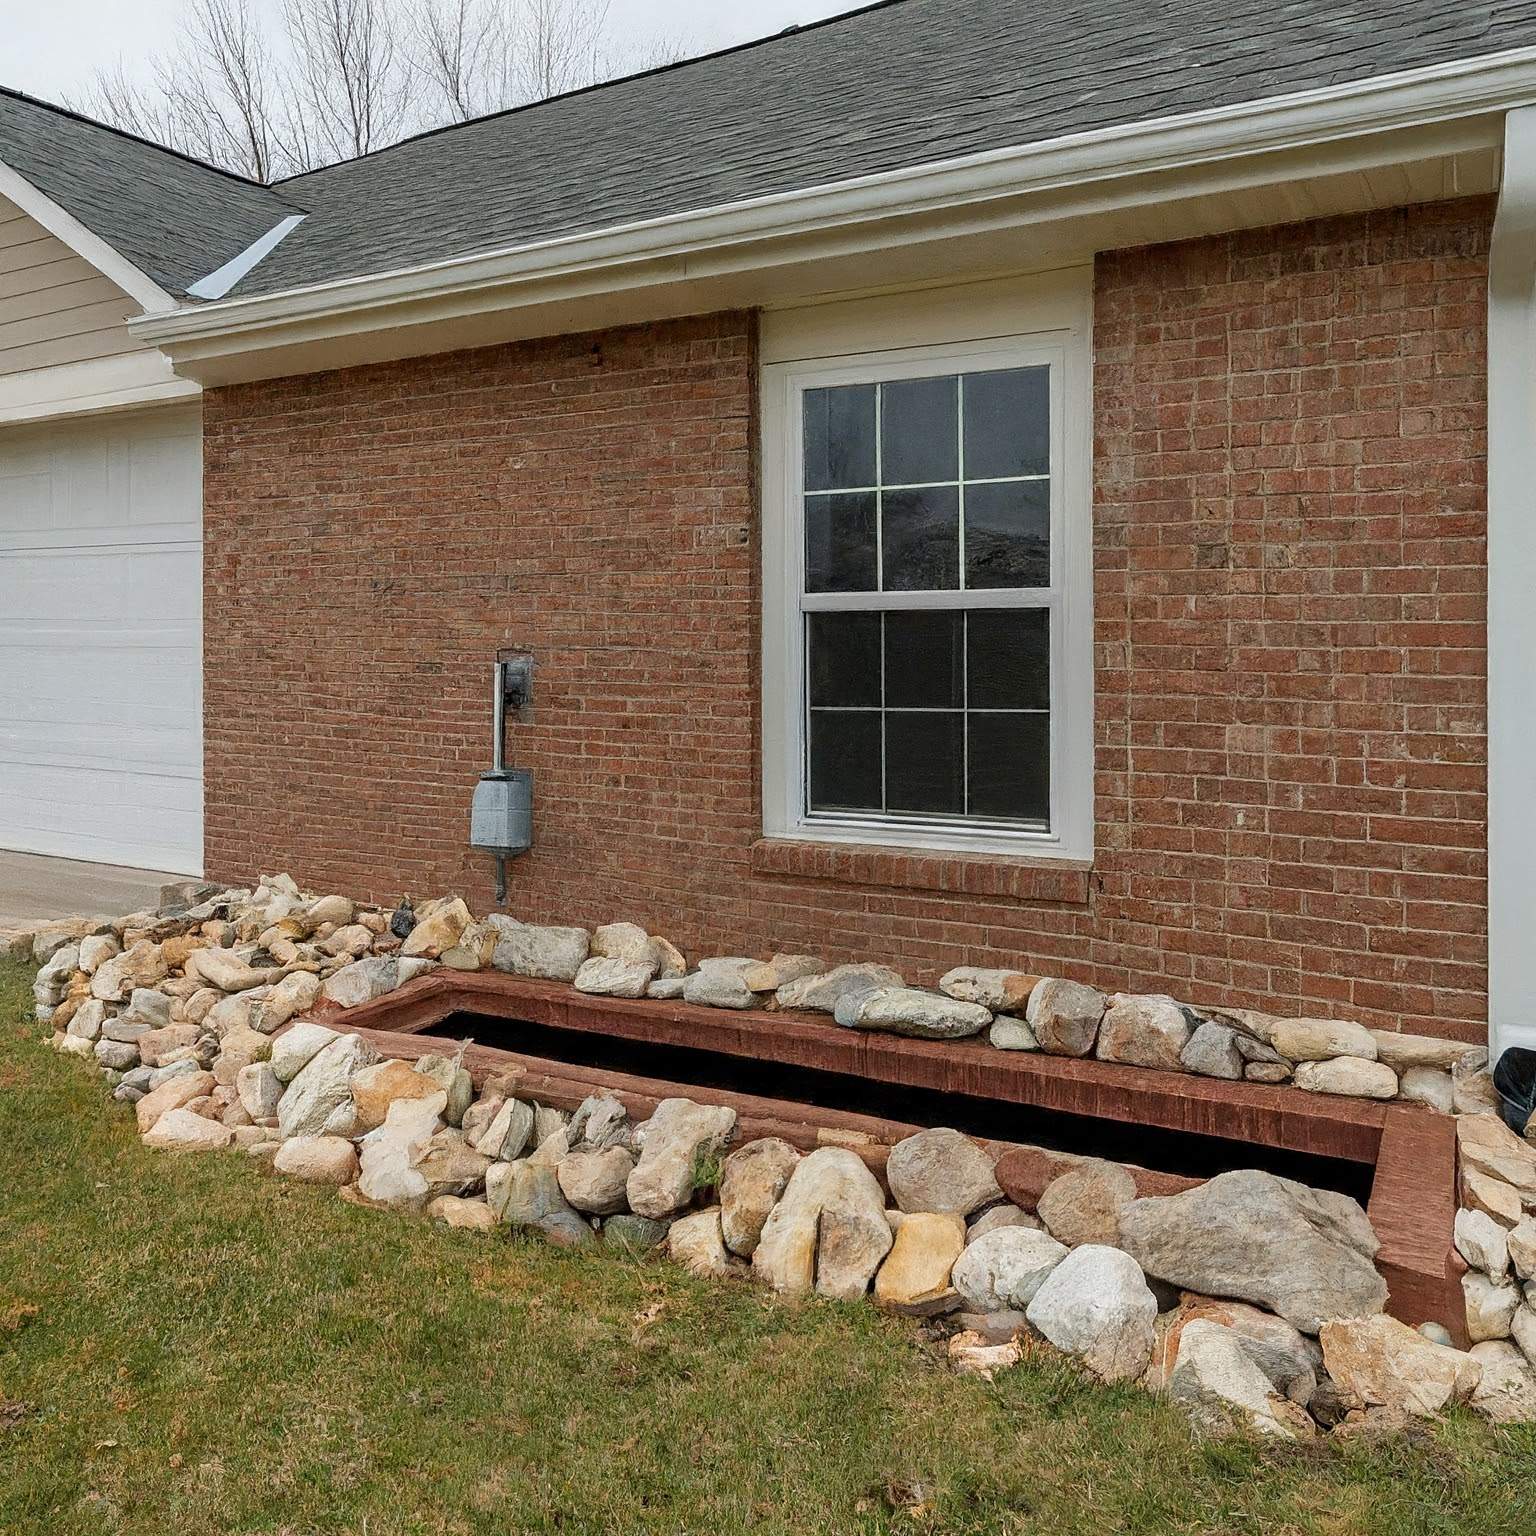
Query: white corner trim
[
  {"x": 111, "y": 263},
  {"x": 1440, "y": 94},
  {"x": 1511, "y": 583},
  {"x": 219, "y": 282}
]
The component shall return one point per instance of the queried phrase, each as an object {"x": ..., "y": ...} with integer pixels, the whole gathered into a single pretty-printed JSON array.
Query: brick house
[{"x": 972, "y": 491}]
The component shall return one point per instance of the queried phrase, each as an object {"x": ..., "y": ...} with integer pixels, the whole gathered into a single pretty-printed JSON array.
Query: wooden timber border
[{"x": 1411, "y": 1149}]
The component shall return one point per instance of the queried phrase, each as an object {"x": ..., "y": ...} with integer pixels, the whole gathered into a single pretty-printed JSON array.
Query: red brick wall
[{"x": 1290, "y": 659}]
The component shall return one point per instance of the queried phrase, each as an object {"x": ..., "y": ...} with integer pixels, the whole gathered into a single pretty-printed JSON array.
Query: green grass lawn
[{"x": 187, "y": 1346}]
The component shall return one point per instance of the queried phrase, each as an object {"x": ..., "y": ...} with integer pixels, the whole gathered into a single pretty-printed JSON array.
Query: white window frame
[{"x": 1069, "y": 597}]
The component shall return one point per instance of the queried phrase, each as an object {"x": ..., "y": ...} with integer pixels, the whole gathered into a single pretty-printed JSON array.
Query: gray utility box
[{"x": 501, "y": 814}]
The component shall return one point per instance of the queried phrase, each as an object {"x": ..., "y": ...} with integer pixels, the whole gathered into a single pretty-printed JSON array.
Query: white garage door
[{"x": 101, "y": 640}]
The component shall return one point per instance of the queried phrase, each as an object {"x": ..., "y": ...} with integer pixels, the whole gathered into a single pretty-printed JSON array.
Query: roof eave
[{"x": 1103, "y": 167}]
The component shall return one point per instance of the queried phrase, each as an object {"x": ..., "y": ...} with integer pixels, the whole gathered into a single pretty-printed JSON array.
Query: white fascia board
[
  {"x": 1416, "y": 98},
  {"x": 1511, "y": 582},
  {"x": 222, "y": 279},
  {"x": 62, "y": 225}
]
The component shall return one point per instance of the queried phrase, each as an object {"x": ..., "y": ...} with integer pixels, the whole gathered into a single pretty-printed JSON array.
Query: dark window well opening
[{"x": 1179, "y": 1152}]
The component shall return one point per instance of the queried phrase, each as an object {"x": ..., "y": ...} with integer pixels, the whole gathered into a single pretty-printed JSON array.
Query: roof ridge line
[
  {"x": 139, "y": 138},
  {"x": 782, "y": 35}
]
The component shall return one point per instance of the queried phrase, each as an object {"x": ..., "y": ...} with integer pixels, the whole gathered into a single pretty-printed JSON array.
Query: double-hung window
[{"x": 919, "y": 638}]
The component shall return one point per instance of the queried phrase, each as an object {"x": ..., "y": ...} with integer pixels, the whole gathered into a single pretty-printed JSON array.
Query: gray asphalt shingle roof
[
  {"x": 900, "y": 84},
  {"x": 174, "y": 219}
]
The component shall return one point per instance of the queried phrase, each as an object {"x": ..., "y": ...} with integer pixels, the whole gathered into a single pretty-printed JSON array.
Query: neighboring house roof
[
  {"x": 175, "y": 219},
  {"x": 901, "y": 84}
]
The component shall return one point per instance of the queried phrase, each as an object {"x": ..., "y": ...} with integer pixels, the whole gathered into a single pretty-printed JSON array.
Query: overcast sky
[{"x": 50, "y": 48}]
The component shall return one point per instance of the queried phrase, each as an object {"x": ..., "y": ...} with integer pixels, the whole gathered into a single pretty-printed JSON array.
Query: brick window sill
[{"x": 960, "y": 874}]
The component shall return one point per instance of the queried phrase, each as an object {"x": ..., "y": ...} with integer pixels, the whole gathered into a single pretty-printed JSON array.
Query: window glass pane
[
  {"x": 1008, "y": 534},
  {"x": 924, "y": 660},
  {"x": 1007, "y": 423},
  {"x": 1008, "y": 659},
  {"x": 844, "y": 760},
  {"x": 840, "y": 543},
  {"x": 839, "y": 437},
  {"x": 1010, "y": 766},
  {"x": 925, "y": 762},
  {"x": 919, "y": 432},
  {"x": 844, "y": 661},
  {"x": 921, "y": 539}
]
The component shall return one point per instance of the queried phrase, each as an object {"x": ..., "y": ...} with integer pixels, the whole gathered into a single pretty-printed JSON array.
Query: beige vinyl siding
[{"x": 54, "y": 307}]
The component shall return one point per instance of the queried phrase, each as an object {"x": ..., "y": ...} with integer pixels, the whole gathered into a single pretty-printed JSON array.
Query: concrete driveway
[{"x": 34, "y": 886}]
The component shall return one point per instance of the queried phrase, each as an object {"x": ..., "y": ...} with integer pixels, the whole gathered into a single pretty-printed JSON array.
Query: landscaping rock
[
  {"x": 390, "y": 1174},
  {"x": 1303, "y": 1253},
  {"x": 548, "y": 954},
  {"x": 1378, "y": 1361},
  {"x": 88, "y": 1019},
  {"x": 527, "y": 1194},
  {"x": 179, "y": 1089},
  {"x": 972, "y": 1355},
  {"x": 1218, "y": 1381},
  {"x": 115, "y": 1055},
  {"x": 622, "y": 941},
  {"x": 1523, "y": 1328},
  {"x": 720, "y": 983},
  {"x": 362, "y": 981},
  {"x": 678, "y": 1137},
  {"x": 770, "y": 975},
  {"x": 449, "y": 1165},
  {"x": 1490, "y": 1307},
  {"x": 908, "y": 1011},
  {"x": 597, "y": 1182},
  {"x": 1287, "y": 1358},
  {"x": 465, "y": 1215},
  {"x": 156, "y": 1045},
  {"x": 1405, "y": 1053},
  {"x": 752, "y": 1181},
  {"x": 141, "y": 966},
  {"x": 694, "y": 1241},
  {"x": 634, "y": 1235},
  {"x": 180, "y": 1130},
  {"x": 1064, "y": 1016},
  {"x": 1304, "y": 1039},
  {"x": 259, "y": 1090},
  {"x": 1212, "y": 1051},
  {"x": 450, "y": 1076},
  {"x": 600, "y": 1121},
  {"x": 292, "y": 995},
  {"x": 1348, "y": 1077},
  {"x": 1011, "y": 1034},
  {"x": 1483, "y": 1243},
  {"x": 439, "y": 926},
  {"x": 375, "y": 1088},
  {"x": 821, "y": 994},
  {"x": 1083, "y": 1205},
  {"x": 1472, "y": 1090},
  {"x": 602, "y": 977},
  {"x": 996, "y": 1217},
  {"x": 95, "y": 950},
  {"x": 1489, "y": 1146},
  {"x": 1095, "y": 1304},
  {"x": 915, "y": 1277},
  {"x": 1426, "y": 1085},
  {"x": 298, "y": 1045},
  {"x": 941, "y": 1170},
  {"x": 318, "y": 1102},
  {"x": 508, "y": 1133},
  {"x": 317, "y": 1160},
  {"x": 1003, "y": 1269},
  {"x": 1000, "y": 991},
  {"x": 1144, "y": 1032},
  {"x": 1506, "y": 1389},
  {"x": 224, "y": 969},
  {"x": 1521, "y": 1245},
  {"x": 830, "y": 1194},
  {"x": 239, "y": 1049}
]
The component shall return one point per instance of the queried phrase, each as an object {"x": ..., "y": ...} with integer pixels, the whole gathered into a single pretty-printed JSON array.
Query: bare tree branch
[{"x": 344, "y": 77}]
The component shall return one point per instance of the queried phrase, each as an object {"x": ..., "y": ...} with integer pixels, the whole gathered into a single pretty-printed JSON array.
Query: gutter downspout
[{"x": 1512, "y": 595}]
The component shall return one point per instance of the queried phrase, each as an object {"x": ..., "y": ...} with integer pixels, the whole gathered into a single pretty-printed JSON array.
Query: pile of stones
[{"x": 1250, "y": 1299}]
